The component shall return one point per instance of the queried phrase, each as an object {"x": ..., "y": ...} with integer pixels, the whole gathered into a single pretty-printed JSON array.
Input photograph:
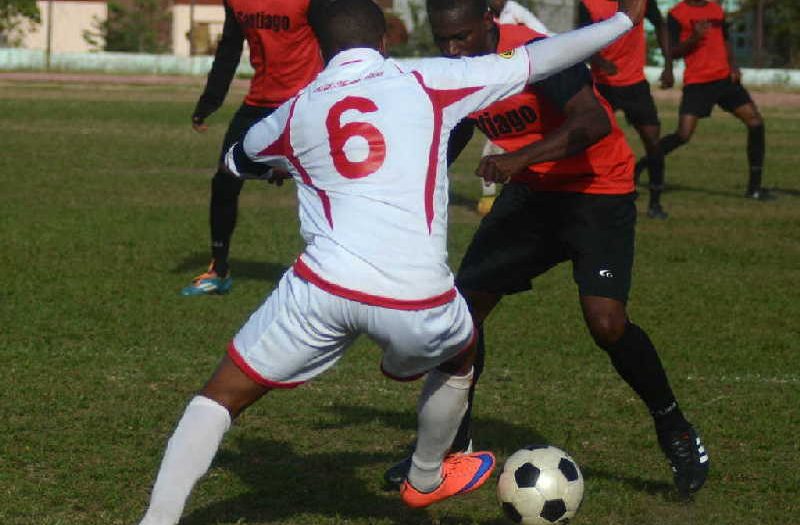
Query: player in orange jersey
[{"x": 285, "y": 56}]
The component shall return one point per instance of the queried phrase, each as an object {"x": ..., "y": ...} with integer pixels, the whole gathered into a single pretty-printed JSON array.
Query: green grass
[{"x": 103, "y": 213}]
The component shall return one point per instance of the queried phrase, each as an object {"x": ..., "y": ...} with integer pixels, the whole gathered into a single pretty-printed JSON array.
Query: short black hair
[
  {"x": 475, "y": 8},
  {"x": 345, "y": 24}
]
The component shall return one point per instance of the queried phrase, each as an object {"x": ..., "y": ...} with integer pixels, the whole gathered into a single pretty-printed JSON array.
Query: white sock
[
  {"x": 189, "y": 453},
  {"x": 441, "y": 406},
  {"x": 489, "y": 190}
]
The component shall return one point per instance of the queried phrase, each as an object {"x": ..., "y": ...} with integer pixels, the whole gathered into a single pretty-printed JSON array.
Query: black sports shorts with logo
[
  {"x": 635, "y": 101},
  {"x": 529, "y": 232},
  {"x": 699, "y": 99}
]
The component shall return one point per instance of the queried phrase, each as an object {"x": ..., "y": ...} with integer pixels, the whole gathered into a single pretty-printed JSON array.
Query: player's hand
[
  {"x": 607, "y": 66},
  {"x": 198, "y": 124},
  {"x": 700, "y": 28},
  {"x": 277, "y": 176},
  {"x": 736, "y": 75},
  {"x": 634, "y": 9},
  {"x": 667, "y": 78},
  {"x": 500, "y": 168}
]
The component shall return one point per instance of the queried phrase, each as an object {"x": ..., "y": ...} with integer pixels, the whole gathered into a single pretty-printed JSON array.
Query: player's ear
[{"x": 488, "y": 19}]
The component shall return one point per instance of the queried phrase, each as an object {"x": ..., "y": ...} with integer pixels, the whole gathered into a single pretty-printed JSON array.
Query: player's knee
[{"x": 606, "y": 329}]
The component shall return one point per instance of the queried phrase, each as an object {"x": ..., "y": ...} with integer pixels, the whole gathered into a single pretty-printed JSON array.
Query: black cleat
[
  {"x": 687, "y": 457},
  {"x": 760, "y": 194},
  {"x": 655, "y": 211},
  {"x": 397, "y": 473}
]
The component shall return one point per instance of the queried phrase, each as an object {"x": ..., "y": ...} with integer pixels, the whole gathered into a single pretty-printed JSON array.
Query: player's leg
[
  {"x": 737, "y": 101},
  {"x": 197, "y": 437},
  {"x": 223, "y": 209},
  {"x": 655, "y": 167},
  {"x": 442, "y": 337},
  {"x": 604, "y": 247},
  {"x": 697, "y": 102}
]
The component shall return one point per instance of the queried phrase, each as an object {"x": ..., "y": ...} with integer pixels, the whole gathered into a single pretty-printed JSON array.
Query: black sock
[
  {"x": 655, "y": 166},
  {"x": 464, "y": 434},
  {"x": 225, "y": 190},
  {"x": 636, "y": 360},
  {"x": 669, "y": 143},
  {"x": 755, "y": 155}
]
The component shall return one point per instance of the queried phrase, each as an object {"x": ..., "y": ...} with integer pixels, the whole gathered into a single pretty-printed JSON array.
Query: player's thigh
[
  {"x": 698, "y": 100},
  {"x": 636, "y": 102},
  {"x": 416, "y": 341},
  {"x": 241, "y": 121},
  {"x": 513, "y": 244},
  {"x": 601, "y": 240},
  {"x": 737, "y": 100},
  {"x": 299, "y": 332}
]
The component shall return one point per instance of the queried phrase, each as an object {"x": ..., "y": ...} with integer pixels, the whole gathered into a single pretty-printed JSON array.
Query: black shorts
[
  {"x": 635, "y": 101},
  {"x": 241, "y": 121},
  {"x": 529, "y": 232},
  {"x": 699, "y": 99}
]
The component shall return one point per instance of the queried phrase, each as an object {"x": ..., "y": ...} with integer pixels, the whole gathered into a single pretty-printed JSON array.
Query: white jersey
[
  {"x": 366, "y": 143},
  {"x": 514, "y": 13}
]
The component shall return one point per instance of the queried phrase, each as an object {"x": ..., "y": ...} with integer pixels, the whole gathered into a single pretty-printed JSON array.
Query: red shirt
[
  {"x": 606, "y": 167},
  {"x": 708, "y": 61},
  {"x": 628, "y": 53},
  {"x": 283, "y": 50}
]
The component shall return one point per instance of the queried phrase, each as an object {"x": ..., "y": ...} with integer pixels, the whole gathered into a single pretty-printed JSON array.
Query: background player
[
  {"x": 698, "y": 33},
  {"x": 375, "y": 261},
  {"x": 505, "y": 12},
  {"x": 285, "y": 56},
  {"x": 570, "y": 197},
  {"x": 618, "y": 72}
]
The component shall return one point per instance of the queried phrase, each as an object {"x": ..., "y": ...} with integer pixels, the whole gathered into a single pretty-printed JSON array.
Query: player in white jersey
[
  {"x": 511, "y": 12},
  {"x": 366, "y": 144}
]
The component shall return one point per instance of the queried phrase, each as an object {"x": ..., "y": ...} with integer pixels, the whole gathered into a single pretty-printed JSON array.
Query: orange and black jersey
[
  {"x": 629, "y": 52},
  {"x": 284, "y": 53},
  {"x": 708, "y": 61},
  {"x": 606, "y": 167}
]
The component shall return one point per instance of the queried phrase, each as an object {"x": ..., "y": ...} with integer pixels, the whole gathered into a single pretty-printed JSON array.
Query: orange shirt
[
  {"x": 606, "y": 167},
  {"x": 708, "y": 61},
  {"x": 283, "y": 50},
  {"x": 628, "y": 53}
]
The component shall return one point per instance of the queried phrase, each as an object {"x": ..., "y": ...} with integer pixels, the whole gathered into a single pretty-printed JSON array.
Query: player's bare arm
[
  {"x": 653, "y": 15},
  {"x": 586, "y": 124},
  {"x": 736, "y": 73}
]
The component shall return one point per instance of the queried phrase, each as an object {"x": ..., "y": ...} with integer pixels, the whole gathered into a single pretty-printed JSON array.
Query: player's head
[
  {"x": 462, "y": 27},
  {"x": 345, "y": 24}
]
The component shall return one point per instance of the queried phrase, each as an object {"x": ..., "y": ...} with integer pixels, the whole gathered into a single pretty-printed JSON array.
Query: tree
[
  {"x": 778, "y": 23},
  {"x": 17, "y": 17},
  {"x": 139, "y": 26}
]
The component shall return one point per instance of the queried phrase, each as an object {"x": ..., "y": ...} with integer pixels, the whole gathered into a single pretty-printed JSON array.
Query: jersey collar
[{"x": 356, "y": 54}]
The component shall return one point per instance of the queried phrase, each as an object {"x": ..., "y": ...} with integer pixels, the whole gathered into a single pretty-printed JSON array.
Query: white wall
[
  {"x": 70, "y": 20},
  {"x": 213, "y": 15}
]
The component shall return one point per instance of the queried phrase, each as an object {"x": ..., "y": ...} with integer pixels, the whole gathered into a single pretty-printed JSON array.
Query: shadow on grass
[
  {"x": 677, "y": 188},
  {"x": 259, "y": 270},
  {"x": 283, "y": 486},
  {"x": 286, "y": 487}
]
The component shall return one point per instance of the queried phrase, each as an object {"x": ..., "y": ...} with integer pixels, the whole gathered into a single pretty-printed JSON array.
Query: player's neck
[
  {"x": 696, "y": 3},
  {"x": 492, "y": 39}
]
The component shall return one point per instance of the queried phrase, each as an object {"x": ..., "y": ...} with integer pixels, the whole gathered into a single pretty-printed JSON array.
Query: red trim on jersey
[
  {"x": 283, "y": 147},
  {"x": 306, "y": 273},
  {"x": 250, "y": 372},
  {"x": 472, "y": 340},
  {"x": 440, "y": 99}
]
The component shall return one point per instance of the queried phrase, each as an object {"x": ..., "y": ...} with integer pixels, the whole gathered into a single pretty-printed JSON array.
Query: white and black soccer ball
[{"x": 540, "y": 485}]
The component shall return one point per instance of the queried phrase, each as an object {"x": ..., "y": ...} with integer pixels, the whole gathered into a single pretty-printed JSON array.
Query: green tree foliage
[
  {"x": 138, "y": 26},
  {"x": 17, "y": 17},
  {"x": 781, "y": 30}
]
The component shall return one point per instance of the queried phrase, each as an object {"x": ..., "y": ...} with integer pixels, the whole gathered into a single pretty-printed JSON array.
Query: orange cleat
[{"x": 461, "y": 473}]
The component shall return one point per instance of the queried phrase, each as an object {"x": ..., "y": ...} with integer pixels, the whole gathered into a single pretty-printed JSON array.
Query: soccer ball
[{"x": 539, "y": 485}]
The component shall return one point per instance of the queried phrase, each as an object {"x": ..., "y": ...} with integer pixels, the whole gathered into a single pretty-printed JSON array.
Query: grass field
[{"x": 104, "y": 219}]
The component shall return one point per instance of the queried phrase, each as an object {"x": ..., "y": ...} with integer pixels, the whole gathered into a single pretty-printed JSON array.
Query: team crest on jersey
[{"x": 507, "y": 54}]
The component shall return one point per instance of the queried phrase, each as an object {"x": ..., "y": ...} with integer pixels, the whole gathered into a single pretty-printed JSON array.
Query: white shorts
[{"x": 301, "y": 330}]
